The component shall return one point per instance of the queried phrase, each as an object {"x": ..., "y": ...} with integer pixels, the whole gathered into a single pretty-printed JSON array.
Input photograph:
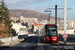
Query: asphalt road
[{"x": 35, "y": 43}]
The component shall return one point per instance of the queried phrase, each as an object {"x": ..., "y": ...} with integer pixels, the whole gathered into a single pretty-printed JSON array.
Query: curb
[{"x": 62, "y": 43}]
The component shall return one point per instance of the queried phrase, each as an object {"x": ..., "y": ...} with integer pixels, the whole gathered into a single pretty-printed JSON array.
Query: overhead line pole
[
  {"x": 48, "y": 17},
  {"x": 56, "y": 14},
  {"x": 65, "y": 15}
]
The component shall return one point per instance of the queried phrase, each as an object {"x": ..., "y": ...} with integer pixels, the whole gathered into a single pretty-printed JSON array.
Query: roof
[
  {"x": 51, "y": 24},
  {"x": 38, "y": 24}
]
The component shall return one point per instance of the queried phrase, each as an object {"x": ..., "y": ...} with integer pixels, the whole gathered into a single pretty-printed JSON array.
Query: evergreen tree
[{"x": 6, "y": 17}]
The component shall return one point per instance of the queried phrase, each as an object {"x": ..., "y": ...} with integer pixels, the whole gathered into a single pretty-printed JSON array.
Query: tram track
[{"x": 52, "y": 46}]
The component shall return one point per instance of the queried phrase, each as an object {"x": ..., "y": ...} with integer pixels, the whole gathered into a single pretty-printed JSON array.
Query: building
[
  {"x": 36, "y": 27},
  {"x": 20, "y": 30},
  {"x": 21, "y": 18}
]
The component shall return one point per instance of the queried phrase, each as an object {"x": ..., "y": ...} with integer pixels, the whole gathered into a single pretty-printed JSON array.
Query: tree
[{"x": 5, "y": 14}]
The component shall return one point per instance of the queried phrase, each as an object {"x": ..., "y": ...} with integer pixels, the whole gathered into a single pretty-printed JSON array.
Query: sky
[{"x": 42, "y": 5}]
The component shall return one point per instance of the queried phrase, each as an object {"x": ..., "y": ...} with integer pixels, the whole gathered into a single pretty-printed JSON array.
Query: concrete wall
[{"x": 7, "y": 39}]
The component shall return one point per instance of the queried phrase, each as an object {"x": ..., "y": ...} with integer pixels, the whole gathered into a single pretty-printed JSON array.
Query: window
[{"x": 52, "y": 31}]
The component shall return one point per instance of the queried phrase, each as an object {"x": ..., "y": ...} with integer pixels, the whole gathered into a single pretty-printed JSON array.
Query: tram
[{"x": 50, "y": 33}]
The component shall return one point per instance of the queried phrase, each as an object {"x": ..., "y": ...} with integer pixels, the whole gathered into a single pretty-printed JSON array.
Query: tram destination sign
[{"x": 50, "y": 26}]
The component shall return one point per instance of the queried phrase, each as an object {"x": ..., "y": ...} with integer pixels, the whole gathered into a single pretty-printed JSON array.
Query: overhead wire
[
  {"x": 56, "y": 2},
  {"x": 71, "y": 4},
  {"x": 68, "y": 7},
  {"x": 49, "y": 3}
]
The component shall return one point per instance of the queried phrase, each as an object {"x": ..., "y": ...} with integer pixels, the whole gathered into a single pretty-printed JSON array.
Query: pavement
[
  {"x": 28, "y": 44},
  {"x": 67, "y": 43},
  {"x": 17, "y": 41},
  {"x": 11, "y": 43}
]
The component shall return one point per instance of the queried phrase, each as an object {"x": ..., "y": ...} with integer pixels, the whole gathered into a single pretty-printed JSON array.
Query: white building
[
  {"x": 21, "y": 30},
  {"x": 21, "y": 18}
]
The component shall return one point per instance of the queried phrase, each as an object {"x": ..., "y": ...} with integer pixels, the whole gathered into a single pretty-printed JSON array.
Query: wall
[
  {"x": 67, "y": 31},
  {"x": 9, "y": 39}
]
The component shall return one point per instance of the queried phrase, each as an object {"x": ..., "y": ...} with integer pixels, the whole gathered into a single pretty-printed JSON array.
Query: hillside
[{"x": 28, "y": 14}]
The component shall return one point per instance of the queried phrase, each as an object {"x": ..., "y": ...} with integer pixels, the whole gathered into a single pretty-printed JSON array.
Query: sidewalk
[
  {"x": 17, "y": 41},
  {"x": 67, "y": 43},
  {"x": 11, "y": 43}
]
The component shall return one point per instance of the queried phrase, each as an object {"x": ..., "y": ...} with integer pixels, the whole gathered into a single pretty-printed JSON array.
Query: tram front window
[{"x": 52, "y": 31}]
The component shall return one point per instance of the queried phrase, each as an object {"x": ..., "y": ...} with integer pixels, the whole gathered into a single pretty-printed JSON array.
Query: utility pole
[
  {"x": 56, "y": 14},
  {"x": 65, "y": 15},
  {"x": 2, "y": 0},
  {"x": 49, "y": 16}
]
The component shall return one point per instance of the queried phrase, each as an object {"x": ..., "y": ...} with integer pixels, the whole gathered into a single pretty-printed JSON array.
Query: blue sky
[{"x": 42, "y": 5}]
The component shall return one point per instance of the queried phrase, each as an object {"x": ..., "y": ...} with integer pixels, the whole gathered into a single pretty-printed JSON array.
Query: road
[{"x": 35, "y": 43}]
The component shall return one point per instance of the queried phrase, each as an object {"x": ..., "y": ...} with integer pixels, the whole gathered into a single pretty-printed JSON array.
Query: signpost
[{"x": 65, "y": 36}]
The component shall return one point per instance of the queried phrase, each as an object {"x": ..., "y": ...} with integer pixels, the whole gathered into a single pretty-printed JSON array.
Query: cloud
[
  {"x": 37, "y": 8},
  {"x": 21, "y": 3}
]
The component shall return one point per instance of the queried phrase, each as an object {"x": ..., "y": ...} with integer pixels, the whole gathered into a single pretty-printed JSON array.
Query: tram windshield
[{"x": 52, "y": 31}]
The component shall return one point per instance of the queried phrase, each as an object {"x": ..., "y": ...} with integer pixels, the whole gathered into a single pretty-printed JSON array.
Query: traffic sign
[{"x": 65, "y": 36}]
